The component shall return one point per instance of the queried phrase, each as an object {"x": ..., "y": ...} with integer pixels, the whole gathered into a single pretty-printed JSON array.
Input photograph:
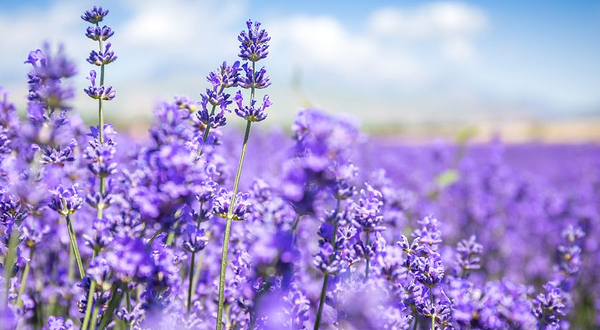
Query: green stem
[
  {"x": 71, "y": 274},
  {"x": 193, "y": 262},
  {"x": 191, "y": 280},
  {"x": 94, "y": 319},
  {"x": 115, "y": 300},
  {"x": 326, "y": 278},
  {"x": 88, "y": 308},
  {"x": 170, "y": 238},
  {"x": 101, "y": 129},
  {"x": 321, "y": 302},
  {"x": 432, "y": 303},
  {"x": 228, "y": 229},
  {"x": 416, "y": 317},
  {"x": 9, "y": 261},
  {"x": 74, "y": 246},
  {"x": 128, "y": 298},
  {"x": 24, "y": 280},
  {"x": 368, "y": 259},
  {"x": 158, "y": 232}
]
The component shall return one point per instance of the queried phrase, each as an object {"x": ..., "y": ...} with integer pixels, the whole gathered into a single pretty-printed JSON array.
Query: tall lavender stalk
[
  {"x": 99, "y": 152},
  {"x": 254, "y": 47},
  {"x": 100, "y": 58}
]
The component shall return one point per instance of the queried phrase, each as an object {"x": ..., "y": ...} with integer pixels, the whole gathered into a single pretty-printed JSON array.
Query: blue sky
[{"x": 381, "y": 61}]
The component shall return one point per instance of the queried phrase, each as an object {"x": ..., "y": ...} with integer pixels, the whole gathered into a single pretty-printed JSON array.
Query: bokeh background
[{"x": 527, "y": 70}]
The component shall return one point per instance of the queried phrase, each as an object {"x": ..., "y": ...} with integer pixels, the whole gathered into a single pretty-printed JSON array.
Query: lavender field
[{"x": 201, "y": 225}]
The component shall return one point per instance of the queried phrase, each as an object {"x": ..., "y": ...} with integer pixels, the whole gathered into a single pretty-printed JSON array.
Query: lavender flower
[
  {"x": 94, "y": 15},
  {"x": 252, "y": 112},
  {"x": 65, "y": 201},
  {"x": 222, "y": 204},
  {"x": 102, "y": 92},
  {"x": 253, "y": 42},
  {"x": 99, "y": 33},
  {"x": 102, "y": 57}
]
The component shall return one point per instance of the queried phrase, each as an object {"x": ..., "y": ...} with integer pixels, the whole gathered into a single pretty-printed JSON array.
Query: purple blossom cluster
[{"x": 324, "y": 229}]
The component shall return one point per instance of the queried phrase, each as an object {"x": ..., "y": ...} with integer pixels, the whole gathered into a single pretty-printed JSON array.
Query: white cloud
[
  {"x": 325, "y": 44},
  {"x": 454, "y": 25}
]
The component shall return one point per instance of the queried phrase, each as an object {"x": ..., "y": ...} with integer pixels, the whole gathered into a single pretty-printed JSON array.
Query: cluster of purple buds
[
  {"x": 65, "y": 200},
  {"x": 368, "y": 211},
  {"x": 468, "y": 256},
  {"x": 102, "y": 164},
  {"x": 251, "y": 112},
  {"x": 99, "y": 92},
  {"x": 254, "y": 43},
  {"x": 59, "y": 157},
  {"x": 222, "y": 203},
  {"x": 46, "y": 91}
]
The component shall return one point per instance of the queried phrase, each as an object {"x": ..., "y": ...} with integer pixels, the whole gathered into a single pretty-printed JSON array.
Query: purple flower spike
[
  {"x": 222, "y": 201},
  {"x": 254, "y": 42},
  {"x": 94, "y": 15},
  {"x": 252, "y": 112},
  {"x": 102, "y": 58},
  {"x": 103, "y": 92},
  {"x": 256, "y": 80},
  {"x": 65, "y": 201},
  {"x": 99, "y": 33}
]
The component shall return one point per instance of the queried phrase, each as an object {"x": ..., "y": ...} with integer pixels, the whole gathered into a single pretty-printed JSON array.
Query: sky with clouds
[{"x": 380, "y": 61}]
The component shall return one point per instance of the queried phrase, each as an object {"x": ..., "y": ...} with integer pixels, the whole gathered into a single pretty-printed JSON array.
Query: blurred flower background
[{"x": 525, "y": 70}]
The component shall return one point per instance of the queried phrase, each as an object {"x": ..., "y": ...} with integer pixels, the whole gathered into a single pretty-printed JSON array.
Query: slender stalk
[
  {"x": 71, "y": 274},
  {"x": 228, "y": 229},
  {"x": 368, "y": 259},
  {"x": 326, "y": 278},
  {"x": 88, "y": 308},
  {"x": 191, "y": 280},
  {"x": 101, "y": 128},
  {"x": 94, "y": 319},
  {"x": 193, "y": 262},
  {"x": 321, "y": 302},
  {"x": 416, "y": 317},
  {"x": 433, "y": 315},
  {"x": 128, "y": 300},
  {"x": 24, "y": 280},
  {"x": 74, "y": 246},
  {"x": 115, "y": 300},
  {"x": 9, "y": 260},
  {"x": 158, "y": 232}
]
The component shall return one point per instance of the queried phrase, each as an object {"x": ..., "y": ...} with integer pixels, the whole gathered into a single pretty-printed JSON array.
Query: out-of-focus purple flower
[
  {"x": 253, "y": 42},
  {"x": 549, "y": 307},
  {"x": 429, "y": 234},
  {"x": 367, "y": 212},
  {"x": 251, "y": 112},
  {"x": 58, "y": 323},
  {"x": 94, "y": 15},
  {"x": 468, "y": 255},
  {"x": 46, "y": 79},
  {"x": 99, "y": 271},
  {"x": 57, "y": 156},
  {"x": 194, "y": 239}
]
